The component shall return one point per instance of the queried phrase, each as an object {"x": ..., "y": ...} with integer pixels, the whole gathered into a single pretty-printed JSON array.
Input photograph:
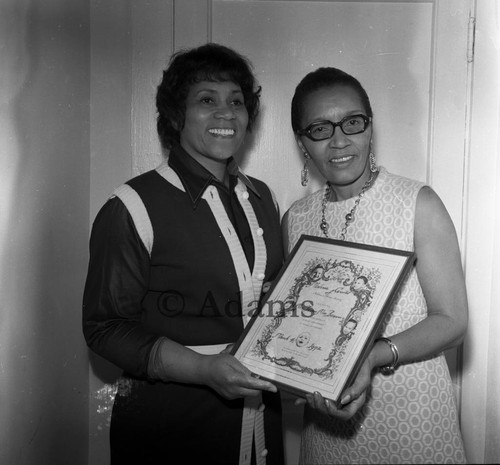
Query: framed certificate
[{"x": 318, "y": 321}]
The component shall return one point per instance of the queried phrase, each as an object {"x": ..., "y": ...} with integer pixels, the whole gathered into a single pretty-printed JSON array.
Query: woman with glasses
[{"x": 401, "y": 406}]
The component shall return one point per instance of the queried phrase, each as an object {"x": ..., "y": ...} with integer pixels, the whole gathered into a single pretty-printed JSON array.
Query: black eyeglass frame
[{"x": 307, "y": 131}]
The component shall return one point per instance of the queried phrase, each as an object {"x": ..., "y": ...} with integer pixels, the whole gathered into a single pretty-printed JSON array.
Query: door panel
[{"x": 373, "y": 41}]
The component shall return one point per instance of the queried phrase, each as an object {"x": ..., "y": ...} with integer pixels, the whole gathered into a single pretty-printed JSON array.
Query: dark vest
[{"x": 193, "y": 295}]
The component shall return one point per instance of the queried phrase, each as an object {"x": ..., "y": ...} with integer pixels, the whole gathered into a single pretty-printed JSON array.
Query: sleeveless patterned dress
[{"x": 409, "y": 416}]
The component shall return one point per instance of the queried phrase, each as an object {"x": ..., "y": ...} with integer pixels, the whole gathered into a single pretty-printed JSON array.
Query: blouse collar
[{"x": 196, "y": 178}]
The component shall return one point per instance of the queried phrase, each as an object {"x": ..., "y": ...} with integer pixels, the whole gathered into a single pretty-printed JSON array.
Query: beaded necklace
[{"x": 349, "y": 218}]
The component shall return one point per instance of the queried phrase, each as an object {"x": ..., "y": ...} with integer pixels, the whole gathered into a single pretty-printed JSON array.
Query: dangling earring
[
  {"x": 304, "y": 174},
  {"x": 373, "y": 165}
]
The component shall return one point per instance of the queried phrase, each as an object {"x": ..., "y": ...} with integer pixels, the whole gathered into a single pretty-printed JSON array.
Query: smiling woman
[
  {"x": 405, "y": 379},
  {"x": 178, "y": 257}
]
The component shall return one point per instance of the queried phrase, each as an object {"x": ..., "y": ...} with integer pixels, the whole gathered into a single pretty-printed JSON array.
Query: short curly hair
[
  {"x": 320, "y": 79},
  {"x": 209, "y": 62}
]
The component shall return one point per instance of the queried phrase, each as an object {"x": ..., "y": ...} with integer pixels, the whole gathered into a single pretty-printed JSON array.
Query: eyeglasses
[{"x": 321, "y": 130}]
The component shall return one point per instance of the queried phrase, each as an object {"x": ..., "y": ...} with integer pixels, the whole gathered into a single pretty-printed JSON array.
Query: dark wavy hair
[
  {"x": 319, "y": 79},
  {"x": 209, "y": 62}
]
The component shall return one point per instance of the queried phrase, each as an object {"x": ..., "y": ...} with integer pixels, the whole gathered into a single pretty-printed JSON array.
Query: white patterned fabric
[{"x": 410, "y": 416}]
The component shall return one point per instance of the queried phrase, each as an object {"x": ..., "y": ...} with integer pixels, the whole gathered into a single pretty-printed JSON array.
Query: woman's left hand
[{"x": 352, "y": 399}]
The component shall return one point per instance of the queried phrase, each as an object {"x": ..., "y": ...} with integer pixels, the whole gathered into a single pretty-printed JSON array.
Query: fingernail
[{"x": 345, "y": 399}]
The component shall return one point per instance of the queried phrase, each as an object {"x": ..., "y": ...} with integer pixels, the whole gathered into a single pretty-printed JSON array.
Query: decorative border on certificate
[{"x": 318, "y": 321}]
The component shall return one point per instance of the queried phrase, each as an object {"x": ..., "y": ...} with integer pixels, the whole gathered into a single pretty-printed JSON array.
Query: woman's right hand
[{"x": 229, "y": 378}]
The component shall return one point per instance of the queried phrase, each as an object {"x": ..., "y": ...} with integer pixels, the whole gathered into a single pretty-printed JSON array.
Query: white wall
[{"x": 44, "y": 187}]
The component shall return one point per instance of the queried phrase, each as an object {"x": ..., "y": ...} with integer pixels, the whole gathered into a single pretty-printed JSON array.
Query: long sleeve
[{"x": 117, "y": 281}]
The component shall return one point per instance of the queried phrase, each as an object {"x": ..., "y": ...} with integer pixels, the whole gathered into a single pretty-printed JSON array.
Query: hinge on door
[{"x": 471, "y": 35}]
